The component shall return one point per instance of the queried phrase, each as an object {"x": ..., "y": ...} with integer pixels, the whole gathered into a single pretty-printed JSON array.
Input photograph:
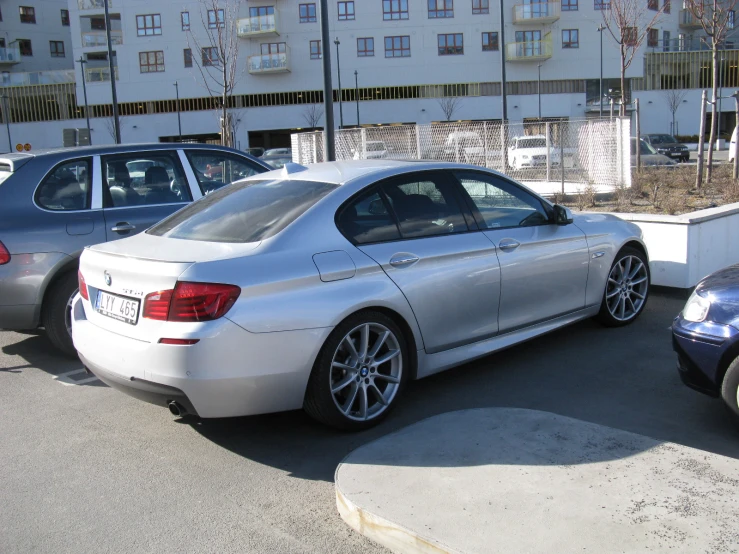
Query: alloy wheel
[
  {"x": 366, "y": 371},
  {"x": 627, "y": 288},
  {"x": 68, "y": 313}
]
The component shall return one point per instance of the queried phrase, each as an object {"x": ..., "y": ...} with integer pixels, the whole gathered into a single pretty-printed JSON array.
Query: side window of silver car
[{"x": 66, "y": 188}]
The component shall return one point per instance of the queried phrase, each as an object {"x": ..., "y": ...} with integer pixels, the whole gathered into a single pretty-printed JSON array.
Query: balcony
[
  {"x": 529, "y": 51},
  {"x": 98, "y": 38},
  {"x": 263, "y": 64},
  {"x": 543, "y": 12},
  {"x": 10, "y": 55},
  {"x": 258, "y": 26},
  {"x": 688, "y": 20},
  {"x": 93, "y": 4},
  {"x": 37, "y": 78},
  {"x": 99, "y": 74}
]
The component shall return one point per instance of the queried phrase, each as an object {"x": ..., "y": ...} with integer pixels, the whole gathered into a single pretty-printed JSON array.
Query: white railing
[
  {"x": 530, "y": 50},
  {"x": 257, "y": 25},
  {"x": 99, "y": 74},
  {"x": 542, "y": 12},
  {"x": 269, "y": 63},
  {"x": 37, "y": 78},
  {"x": 93, "y": 4},
  {"x": 99, "y": 38}
]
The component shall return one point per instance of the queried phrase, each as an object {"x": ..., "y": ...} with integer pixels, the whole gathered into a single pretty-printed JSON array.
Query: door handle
[
  {"x": 508, "y": 245},
  {"x": 402, "y": 260},
  {"x": 122, "y": 227}
]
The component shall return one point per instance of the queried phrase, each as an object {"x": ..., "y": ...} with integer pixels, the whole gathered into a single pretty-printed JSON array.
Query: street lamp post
[
  {"x": 179, "y": 121},
  {"x": 601, "y": 28},
  {"x": 82, "y": 61},
  {"x": 502, "y": 66},
  {"x": 329, "y": 143},
  {"x": 338, "y": 75},
  {"x": 538, "y": 90},
  {"x": 114, "y": 96},
  {"x": 6, "y": 115},
  {"x": 356, "y": 92}
]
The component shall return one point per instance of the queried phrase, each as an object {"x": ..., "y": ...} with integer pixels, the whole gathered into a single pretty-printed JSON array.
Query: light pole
[
  {"x": 720, "y": 91},
  {"x": 329, "y": 144},
  {"x": 338, "y": 75},
  {"x": 601, "y": 28},
  {"x": 179, "y": 121},
  {"x": 114, "y": 96},
  {"x": 502, "y": 65},
  {"x": 82, "y": 61},
  {"x": 6, "y": 115},
  {"x": 538, "y": 90},
  {"x": 356, "y": 92}
]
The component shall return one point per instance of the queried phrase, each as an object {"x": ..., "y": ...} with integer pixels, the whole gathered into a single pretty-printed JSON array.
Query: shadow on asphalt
[{"x": 623, "y": 378}]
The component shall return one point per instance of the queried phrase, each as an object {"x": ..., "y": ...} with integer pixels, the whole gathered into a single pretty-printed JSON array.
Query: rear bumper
[
  {"x": 21, "y": 317},
  {"x": 230, "y": 372}
]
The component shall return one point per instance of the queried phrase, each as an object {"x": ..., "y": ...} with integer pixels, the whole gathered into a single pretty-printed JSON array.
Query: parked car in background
[
  {"x": 530, "y": 151},
  {"x": 276, "y": 161},
  {"x": 279, "y": 152},
  {"x": 705, "y": 336},
  {"x": 53, "y": 203},
  {"x": 329, "y": 287},
  {"x": 649, "y": 156},
  {"x": 667, "y": 145},
  {"x": 256, "y": 151},
  {"x": 373, "y": 150}
]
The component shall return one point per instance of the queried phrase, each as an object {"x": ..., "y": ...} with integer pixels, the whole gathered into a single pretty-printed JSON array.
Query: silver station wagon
[{"x": 54, "y": 203}]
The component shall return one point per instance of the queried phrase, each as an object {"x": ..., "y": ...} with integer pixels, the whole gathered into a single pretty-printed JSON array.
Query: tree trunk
[
  {"x": 225, "y": 134},
  {"x": 701, "y": 140},
  {"x": 622, "y": 107},
  {"x": 714, "y": 106}
]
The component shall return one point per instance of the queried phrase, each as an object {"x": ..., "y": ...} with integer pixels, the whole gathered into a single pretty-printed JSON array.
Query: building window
[
  {"x": 570, "y": 5},
  {"x": 65, "y": 18},
  {"x": 629, "y": 36},
  {"x": 528, "y": 43},
  {"x": 216, "y": 18},
  {"x": 185, "y": 19},
  {"x": 151, "y": 62},
  {"x": 570, "y": 38},
  {"x": 315, "y": 50},
  {"x": 1, "y": 18},
  {"x": 602, "y": 4},
  {"x": 346, "y": 11},
  {"x": 365, "y": 47},
  {"x": 490, "y": 42},
  {"x": 652, "y": 38},
  {"x": 97, "y": 23},
  {"x": 393, "y": 10},
  {"x": 732, "y": 17},
  {"x": 56, "y": 48},
  {"x": 25, "y": 47},
  {"x": 307, "y": 13},
  {"x": 451, "y": 45},
  {"x": 441, "y": 8},
  {"x": 667, "y": 6},
  {"x": 653, "y": 5},
  {"x": 480, "y": 6},
  {"x": 188, "y": 57},
  {"x": 148, "y": 25},
  {"x": 209, "y": 56},
  {"x": 398, "y": 47},
  {"x": 666, "y": 41},
  {"x": 273, "y": 48},
  {"x": 28, "y": 14}
]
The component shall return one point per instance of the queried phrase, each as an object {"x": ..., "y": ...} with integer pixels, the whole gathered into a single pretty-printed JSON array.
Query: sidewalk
[{"x": 514, "y": 480}]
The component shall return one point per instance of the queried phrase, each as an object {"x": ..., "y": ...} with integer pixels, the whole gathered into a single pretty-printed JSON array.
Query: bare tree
[
  {"x": 109, "y": 125},
  {"x": 313, "y": 114},
  {"x": 215, "y": 52},
  {"x": 716, "y": 17},
  {"x": 628, "y": 22},
  {"x": 673, "y": 98},
  {"x": 449, "y": 105}
]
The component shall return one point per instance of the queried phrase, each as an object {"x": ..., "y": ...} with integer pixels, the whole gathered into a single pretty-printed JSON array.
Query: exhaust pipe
[{"x": 177, "y": 409}]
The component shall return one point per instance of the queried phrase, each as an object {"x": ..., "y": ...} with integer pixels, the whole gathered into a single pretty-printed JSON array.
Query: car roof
[{"x": 342, "y": 172}]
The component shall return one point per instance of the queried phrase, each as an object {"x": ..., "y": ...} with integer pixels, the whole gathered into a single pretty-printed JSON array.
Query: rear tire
[
  {"x": 730, "y": 390},
  {"x": 56, "y": 315},
  {"x": 626, "y": 290},
  {"x": 359, "y": 373}
]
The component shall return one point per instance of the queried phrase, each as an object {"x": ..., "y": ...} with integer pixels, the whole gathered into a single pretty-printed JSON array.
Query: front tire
[
  {"x": 730, "y": 390},
  {"x": 359, "y": 373},
  {"x": 626, "y": 290},
  {"x": 56, "y": 316}
]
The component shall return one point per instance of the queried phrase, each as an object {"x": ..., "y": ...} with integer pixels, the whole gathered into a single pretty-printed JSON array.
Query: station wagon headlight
[{"x": 696, "y": 309}]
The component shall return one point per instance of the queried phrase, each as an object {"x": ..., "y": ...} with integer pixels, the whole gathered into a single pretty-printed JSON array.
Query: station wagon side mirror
[{"x": 562, "y": 215}]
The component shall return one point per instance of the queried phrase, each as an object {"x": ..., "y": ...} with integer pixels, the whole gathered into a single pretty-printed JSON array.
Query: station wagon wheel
[
  {"x": 627, "y": 288},
  {"x": 359, "y": 373},
  {"x": 56, "y": 313}
]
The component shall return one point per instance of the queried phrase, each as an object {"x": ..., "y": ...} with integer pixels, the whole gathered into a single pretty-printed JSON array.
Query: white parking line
[{"x": 65, "y": 378}]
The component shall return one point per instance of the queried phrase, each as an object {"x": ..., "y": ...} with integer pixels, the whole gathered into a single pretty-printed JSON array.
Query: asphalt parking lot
[{"x": 85, "y": 468}]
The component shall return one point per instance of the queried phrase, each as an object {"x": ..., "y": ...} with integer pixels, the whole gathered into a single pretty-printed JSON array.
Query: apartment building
[{"x": 397, "y": 58}]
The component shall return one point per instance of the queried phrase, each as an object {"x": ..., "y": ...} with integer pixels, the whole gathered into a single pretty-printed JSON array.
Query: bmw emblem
[
  {"x": 364, "y": 371},
  {"x": 108, "y": 278}
]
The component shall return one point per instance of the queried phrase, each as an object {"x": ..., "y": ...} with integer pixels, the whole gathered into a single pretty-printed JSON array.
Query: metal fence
[{"x": 549, "y": 156}]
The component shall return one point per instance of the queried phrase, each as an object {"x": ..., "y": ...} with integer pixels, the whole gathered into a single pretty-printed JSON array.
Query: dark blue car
[{"x": 705, "y": 336}]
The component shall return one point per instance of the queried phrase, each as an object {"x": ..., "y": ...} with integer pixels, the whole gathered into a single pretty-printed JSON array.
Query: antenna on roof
[{"x": 290, "y": 168}]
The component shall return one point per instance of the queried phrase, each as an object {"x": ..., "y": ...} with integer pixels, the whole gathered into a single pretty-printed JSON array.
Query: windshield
[
  {"x": 662, "y": 139},
  {"x": 532, "y": 143},
  {"x": 246, "y": 211},
  {"x": 645, "y": 148}
]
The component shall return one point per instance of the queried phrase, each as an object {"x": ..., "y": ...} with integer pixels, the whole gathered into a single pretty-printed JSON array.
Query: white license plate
[{"x": 118, "y": 307}]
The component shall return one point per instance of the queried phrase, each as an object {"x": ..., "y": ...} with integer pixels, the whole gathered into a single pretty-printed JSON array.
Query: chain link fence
[{"x": 549, "y": 156}]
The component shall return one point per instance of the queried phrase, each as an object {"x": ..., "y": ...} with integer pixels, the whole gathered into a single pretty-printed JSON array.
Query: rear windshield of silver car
[{"x": 248, "y": 211}]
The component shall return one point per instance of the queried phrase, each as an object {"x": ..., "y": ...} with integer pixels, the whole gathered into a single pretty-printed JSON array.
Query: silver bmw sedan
[{"x": 330, "y": 287}]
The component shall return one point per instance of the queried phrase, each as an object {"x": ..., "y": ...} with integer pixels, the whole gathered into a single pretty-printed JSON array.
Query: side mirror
[{"x": 562, "y": 215}]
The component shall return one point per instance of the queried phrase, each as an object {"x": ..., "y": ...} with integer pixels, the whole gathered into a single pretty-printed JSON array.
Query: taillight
[
  {"x": 83, "y": 286},
  {"x": 156, "y": 305},
  {"x": 201, "y": 301},
  {"x": 4, "y": 254},
  {"x": 179, "y": 342},
  {"x": 191, "y": 302}
]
